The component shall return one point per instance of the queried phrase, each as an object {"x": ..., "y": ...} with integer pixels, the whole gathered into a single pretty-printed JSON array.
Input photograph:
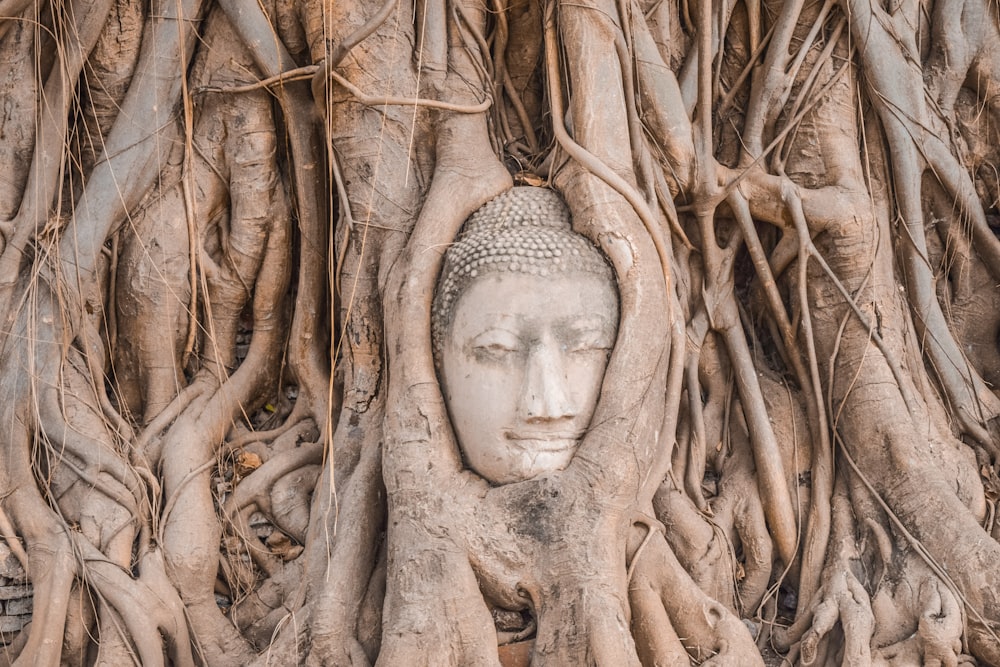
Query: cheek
[
  {"x": 482, "y": 392},
  {"x": 497, "y": 389},
  {"x": 585, "y": 375}
]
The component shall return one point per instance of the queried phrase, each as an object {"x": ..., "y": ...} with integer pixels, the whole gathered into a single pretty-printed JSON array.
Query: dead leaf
[
  {"x": 282, "y": 546},
  {"x": 246, "y": 463}
]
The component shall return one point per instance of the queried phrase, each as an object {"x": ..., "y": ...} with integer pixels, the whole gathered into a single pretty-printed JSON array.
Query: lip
[
  {"x": 544, "y": 435},
  {"x": 545, "y": 441}
]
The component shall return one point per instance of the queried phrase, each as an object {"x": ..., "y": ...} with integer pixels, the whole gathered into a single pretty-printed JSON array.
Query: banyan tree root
[
  {"x": 348, "y": 509},
  {"x": 207, "y": 257},
  {"x": 99, "y": 492},
  {"x": 899, "y": 613},
  {"x": 708, "y": 631}
]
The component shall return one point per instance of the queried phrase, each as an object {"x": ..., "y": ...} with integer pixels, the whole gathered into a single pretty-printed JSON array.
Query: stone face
[
  {"x": 522, "y": 366},
  {"x": 525, "y": 317}
]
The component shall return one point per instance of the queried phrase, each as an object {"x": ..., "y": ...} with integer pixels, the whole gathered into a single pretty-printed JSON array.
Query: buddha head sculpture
[{"x": 524, "y": 320}]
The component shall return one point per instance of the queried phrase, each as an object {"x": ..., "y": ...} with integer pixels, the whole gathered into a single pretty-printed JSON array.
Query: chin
[{"x": 531, "y": 466}]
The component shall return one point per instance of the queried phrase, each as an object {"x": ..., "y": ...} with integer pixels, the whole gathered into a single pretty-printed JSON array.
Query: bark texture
[{"x": 222, "y": 436}]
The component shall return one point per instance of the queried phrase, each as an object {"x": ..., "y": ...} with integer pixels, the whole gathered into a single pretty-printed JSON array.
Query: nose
[{"x": 546, "y": 393}]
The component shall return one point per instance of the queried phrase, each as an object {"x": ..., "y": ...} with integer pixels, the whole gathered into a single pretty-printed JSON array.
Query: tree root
[
  {"x": 153, "y": 592},
  {"x": 710, "y": 632},
  {"x": 254, "y": 492},
  {"x": 841, "y": 598}
]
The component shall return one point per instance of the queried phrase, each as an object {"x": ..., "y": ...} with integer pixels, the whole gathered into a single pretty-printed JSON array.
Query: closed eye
[
  {"x": 590, "y": 341},
  {"x": 495, "y": 348},
  {"x": 495, "y": 344}
]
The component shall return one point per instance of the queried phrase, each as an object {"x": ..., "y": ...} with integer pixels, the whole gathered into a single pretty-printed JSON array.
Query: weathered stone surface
[
  {"x": 13, "y": 623},
  {"x": 20, "y": 606},
  {"x": 10, "y": 567},
  {"x": 14, "y": 592}
]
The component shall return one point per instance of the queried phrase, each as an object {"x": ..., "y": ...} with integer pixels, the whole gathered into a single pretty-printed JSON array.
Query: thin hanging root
[
  {"x": 775, "y": 79},
  {"x": 57, "y": 99},
  {"x": 345, "y": 46},
  {"x": 694, "y": 470},
  {"x": 697, "y": 454},
  {"x": 590, "y": 162},
  {"x": 724, "y": 316},
  {"x": 898, "y": 93},
  {"x": 819, "y": 430},
  {"x": 306, "y": 350},
  {"x": 310, "y": 72},
  {"x": 804, "y": 97},
  {"x": 345, "y": 222},
  {"x": 151, "y": 592},
  {"x": 756, "y": 50},
  {"x": 318, "y": 74},
  {"x": 767, "y": 455},
  {"x": 463, "y": 19},
  {"x": 193, "y": 236},
  {"x": 624, "y": 47},
  {"x": 389, "y": 100},
  {"x": 794, "y": 204},
  {"x": 818, "y": 527},
  {"x": 13, "y": 542},
  {"x": 674, "y": 385},
  {"x": 132, "y": 147},
  {"x": 522, "y": 113},
  {"x": 12, "y": 9}
]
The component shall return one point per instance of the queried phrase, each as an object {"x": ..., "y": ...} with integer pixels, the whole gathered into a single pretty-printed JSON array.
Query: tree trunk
[{"x": 228, "y": 435}]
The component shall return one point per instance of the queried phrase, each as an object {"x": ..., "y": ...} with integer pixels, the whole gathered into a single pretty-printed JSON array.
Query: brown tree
[{"x": 224, "y": 438}]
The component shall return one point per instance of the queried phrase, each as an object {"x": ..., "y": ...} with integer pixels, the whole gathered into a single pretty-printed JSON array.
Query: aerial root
[
  {"x": 255, "y": 491},
  {"x": 53, "y": 570},
  {"x": 163, "y": 611},
  {"x": 73, "y": 424},
  {"x": 709, "y": 630},
  {"x": 843, "y": 599},
  {"x": 9, "y": 536}
]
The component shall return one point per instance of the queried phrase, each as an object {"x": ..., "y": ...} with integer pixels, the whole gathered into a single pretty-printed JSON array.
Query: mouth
[{"x": 555, "y": 441}]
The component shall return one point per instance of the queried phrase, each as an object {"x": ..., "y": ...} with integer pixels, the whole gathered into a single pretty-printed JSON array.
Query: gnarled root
[
  {"x": 52, "y": 571},
  {"x": 163, "y": 611},
  {"x": 937, "y": 641},
  {"x": 841, "y": 598},
  {"x": 695, "y": 542},
  {"x": 710, "y": 632},
  {"x": 430, "y": 623}
]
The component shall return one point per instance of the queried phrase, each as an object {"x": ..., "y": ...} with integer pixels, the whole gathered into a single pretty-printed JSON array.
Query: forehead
[{"x": 573, "y": 296}]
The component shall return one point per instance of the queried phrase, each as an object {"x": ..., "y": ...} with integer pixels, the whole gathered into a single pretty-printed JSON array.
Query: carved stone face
[{"x": 522, "y": 366}]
